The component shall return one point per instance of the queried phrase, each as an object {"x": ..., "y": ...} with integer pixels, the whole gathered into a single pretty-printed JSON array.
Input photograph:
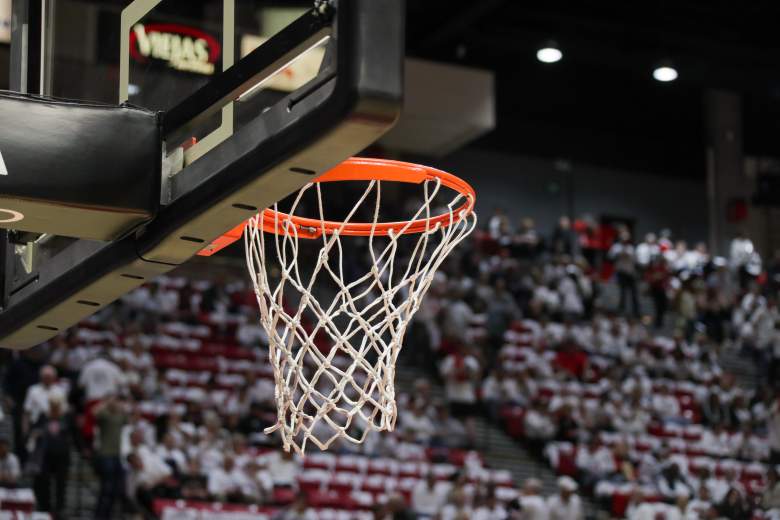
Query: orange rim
[{"x": 360, "y": 169}]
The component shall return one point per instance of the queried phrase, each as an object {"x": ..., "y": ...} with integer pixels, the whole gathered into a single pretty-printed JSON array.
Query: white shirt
[
  {"x": 427, "y": 501},
  {"x": 100, "y": 378},
  {"x": 534, "y": 507},
  {"x": 284, "y": 472},
  {"x": 599, "y": 462},
  {"x": 560, "y": 510},
  {"x": 36, "y": 403},
  {"x": 460, "y": 389},
  {"x": 453, "y": 512},
  {"x": 222, "y": 482},
  {"x": 9, "y": 468}
]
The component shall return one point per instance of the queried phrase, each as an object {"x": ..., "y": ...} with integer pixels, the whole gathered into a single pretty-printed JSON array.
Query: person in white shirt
[
  {"x": 566, "y": 505},
  {"x": 173, "y": 456},
  {"x": 146, "y": 472},
  {"x": 9, "y": 466},
  {"x": 283, "y": 467},
  {"x": 36, "y": 402},
  {"x": 647, "y": 250},
  {"x": 429, "y": 496},
  {"x": 100, "y": 378},
  {"x": 225, "y": 482},
  {"x": 461, "y": 372},
  {"x": 594, "y": 461},
  {"x": 532, "y": 504},
  {"x": 416, "y": 421},
  {"x": 457, "y": 507}
]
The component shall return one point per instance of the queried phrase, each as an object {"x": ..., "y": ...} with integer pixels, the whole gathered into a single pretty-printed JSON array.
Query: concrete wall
[{"x": 539, "y": 188}]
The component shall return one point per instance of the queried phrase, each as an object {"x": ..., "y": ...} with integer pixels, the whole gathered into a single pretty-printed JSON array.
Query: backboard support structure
[{"x": 50, "y": 283}]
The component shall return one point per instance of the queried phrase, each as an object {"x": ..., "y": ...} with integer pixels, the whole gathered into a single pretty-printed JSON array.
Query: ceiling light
[
  {"x": 549, "y": 54},
  {"x": 665, "y": 73}
]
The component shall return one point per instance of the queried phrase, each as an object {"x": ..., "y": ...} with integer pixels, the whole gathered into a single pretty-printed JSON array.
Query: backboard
[{"x": 253, "y": 101}]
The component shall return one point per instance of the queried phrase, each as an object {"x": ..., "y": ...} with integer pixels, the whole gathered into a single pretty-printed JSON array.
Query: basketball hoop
[{"x": 319, "y": 397}]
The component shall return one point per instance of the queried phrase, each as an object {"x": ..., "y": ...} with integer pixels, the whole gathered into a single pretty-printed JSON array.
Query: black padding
[{"x": 78, "y": 169}]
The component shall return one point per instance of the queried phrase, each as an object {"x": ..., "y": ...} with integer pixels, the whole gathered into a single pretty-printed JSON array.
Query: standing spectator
[
  {"x": 647, "y": 251},
  {"x": 563, "y": 240},
  {"x": 50, "y": 459},
  {"x": 110, "y": 418},
  {"x": 742, "y": 255},
  {"x": 9, "y": 465},
  {"x": 657, "y": 276},
  {"x": 99, "y": 378},
  {"x": 566, "y": 505},
  {"x": 623, "y": 254},
  {"x": 39, "y": 396},
  {"x": 461, "y": 372}
]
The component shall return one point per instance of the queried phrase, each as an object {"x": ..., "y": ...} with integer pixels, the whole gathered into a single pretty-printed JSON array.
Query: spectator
[
  {"x": 742, "y": 257},
  {"x": 623, "y": 254},
  {"x": 40, "y": 395},
  {"x": 647, "y": 251},
  {"x": 563, "y": 240},
  {"x": 101, "y": 378},
  {"x": 145, "y": 481},
  {"x": 671, "y": 482},
  {"x": 284, "y": 467},
  {"x": 457, "y": 507},
  {"x": 9, "y": 465},
  {"x": 110, "y": 419},
  {"x": 50, "y": 458},
  {"x": 733, "y": 506},
  {"x": 657, "y": 276},
  {"x": 298, "y": 510},
  {"x": 532, "y": 504},
  {"x": 429, "y": 496},
  {"x": 224, "y": 484},
  {"x": 461, "y": 372},
  {"x": 770, "y": 499},
  {"x": 594, "y": 462},
  {"x": 566, "y": 505}
]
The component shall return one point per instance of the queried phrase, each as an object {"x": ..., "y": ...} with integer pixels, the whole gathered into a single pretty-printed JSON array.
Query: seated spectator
[
  {"x": 538, "y": 424},
  {"x": 224, "y": 483},
  {"x": 9, "y": 465},
  {"x": 733, "y": 505},
  {"x": 488, "y": 507},
  {"x": 671, "y": 483},
  {"x": 284, "y": 468},
  {"x": 172, "y": 454},
  {"x": 770, "y": 499},
  {"x": 531, "y": 502},
  {"x": 429, "y": 496},
  {"x": 456, "y": 508},
  {"x": 594, "y": 462},
  {"x": 566, "y": 505},
  {"x": 449, "y": 432},
  {"x": 146, "y": 480},
  {"x": 416, "y": 421}
]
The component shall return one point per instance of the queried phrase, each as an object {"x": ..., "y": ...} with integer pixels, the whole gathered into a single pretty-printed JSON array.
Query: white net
[{"x": 334, "y": 351}]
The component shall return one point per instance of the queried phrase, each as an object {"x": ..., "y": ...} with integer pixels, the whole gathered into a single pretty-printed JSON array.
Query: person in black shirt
[{"x": 50, "y": 459}]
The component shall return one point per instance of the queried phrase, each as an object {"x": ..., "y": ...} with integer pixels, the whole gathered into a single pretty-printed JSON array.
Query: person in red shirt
[{"x": 572, "y": 359}]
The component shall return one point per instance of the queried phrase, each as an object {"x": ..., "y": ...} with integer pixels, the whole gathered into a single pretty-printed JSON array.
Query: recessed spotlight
[
  {"x": 665, "y": 73},
  {"x": 549, "y": 54}
]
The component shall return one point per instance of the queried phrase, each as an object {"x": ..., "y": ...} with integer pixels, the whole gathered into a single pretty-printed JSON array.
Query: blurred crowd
[{"x": 600, "y": 354}]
